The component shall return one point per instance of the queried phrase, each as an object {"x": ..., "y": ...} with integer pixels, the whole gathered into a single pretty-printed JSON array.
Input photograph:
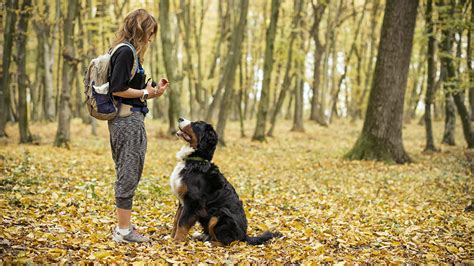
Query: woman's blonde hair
[{"x": 136, "y": 28}]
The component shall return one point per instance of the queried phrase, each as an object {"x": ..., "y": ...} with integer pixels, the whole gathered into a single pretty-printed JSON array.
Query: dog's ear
[{"x": 208, "y": 140}]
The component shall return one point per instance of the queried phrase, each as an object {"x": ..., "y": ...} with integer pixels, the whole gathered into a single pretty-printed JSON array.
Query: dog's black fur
[{"x": 209, "y": 198}]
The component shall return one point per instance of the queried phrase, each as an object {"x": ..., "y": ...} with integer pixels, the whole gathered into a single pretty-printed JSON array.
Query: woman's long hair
[{"x": 136, "y": 28}]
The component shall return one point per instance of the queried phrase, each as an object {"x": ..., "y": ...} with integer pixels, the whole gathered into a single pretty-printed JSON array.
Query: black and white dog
[{"x": 204, "y": 194}]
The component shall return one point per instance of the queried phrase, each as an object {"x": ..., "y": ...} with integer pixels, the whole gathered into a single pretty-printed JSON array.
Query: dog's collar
[{"x": 196, "y": 158}]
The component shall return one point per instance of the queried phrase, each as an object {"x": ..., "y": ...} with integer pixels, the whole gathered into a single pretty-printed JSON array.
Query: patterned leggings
[{"x": 128, "y": 143}]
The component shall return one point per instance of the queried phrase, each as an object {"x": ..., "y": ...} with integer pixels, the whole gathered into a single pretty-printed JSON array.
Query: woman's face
[{"x": 151, "y": 37}]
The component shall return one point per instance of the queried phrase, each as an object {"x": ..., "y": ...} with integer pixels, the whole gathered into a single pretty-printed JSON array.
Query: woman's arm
[
  {"x": 134, "y": 93},
  {"x": 129, "y": 93}
]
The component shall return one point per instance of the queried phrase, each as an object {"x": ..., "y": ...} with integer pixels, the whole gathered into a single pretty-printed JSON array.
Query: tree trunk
[
  {"x": 299, "y": 87},
  {"x": 184, "y": 17},
  {"x": 369, "y": 69},
  {"x": 417, "y": 85},
  {"x": 44, "y": 30},
  {"x": 48, "y": 58},
  {"x": 260, "y": 126},
  {"x": 200, "y": 92},
  {"x": 299, "y": 90},
  {"x": 430, "y": 89},
  {"x": 290, "y": 103},
  {"x": 315, "y": 115},
  {"x": 451, "y": 81},
  {"x": 171, "y": 66},
  {"x": 225, "y": 21},
  {"x": 36, "y": 87},
  {"x": 240, "y": 98},
  {"x": 296, "y": 23},
  {"x": 381, "y": 137},
  {"x": 80, "y": 108},
  {"x": 11, "y": 6},
  {"x": 346, "y": 64},
  {"x": 227, "y": 80},
  {"x": 333, "y": 53},
  {"x": 469, "y": 60},
  {"x": 25, "y": 135},
  {"x": 63, "y": 136},
  {"x": 449, "y": 120},
  {"x": 59, "y": 16}
]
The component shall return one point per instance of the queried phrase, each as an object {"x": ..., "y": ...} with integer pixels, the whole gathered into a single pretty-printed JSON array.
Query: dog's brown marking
[
  {"x": 182, "y": 190},
  {"x": 190, "y": 132},
  {"x": 212, "y": 223},
  {"x": 181, "y": 233},
  {"x": 183, "y": 227},
  {"x": 216, "y": 244},
  {"x": 176, "y": 219}
]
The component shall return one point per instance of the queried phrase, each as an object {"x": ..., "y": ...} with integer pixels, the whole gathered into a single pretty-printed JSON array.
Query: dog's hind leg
[{"x": 224, "y": 230}]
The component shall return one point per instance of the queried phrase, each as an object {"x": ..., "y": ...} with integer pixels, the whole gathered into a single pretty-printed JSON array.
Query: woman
[{"x": 127, "y": 131}]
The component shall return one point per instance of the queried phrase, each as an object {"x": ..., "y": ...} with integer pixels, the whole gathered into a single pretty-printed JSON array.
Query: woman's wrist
[{"x": 145, "y": 95}]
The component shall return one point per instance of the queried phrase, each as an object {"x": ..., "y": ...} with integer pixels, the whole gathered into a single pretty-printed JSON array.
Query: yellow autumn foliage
[{"x": 57, "y": 205}]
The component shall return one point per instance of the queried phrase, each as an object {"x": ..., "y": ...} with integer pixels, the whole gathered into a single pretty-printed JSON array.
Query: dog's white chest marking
[{"x": 175, "y": 178}]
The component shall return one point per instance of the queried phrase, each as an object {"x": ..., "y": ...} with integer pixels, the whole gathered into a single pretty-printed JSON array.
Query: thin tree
[
  {"x": 171, "y": 65},
  {"x": 184, "y": 19},
  {"x": 316, "y": 114},
  {"x": 260, "y": 126},
  {"x": 63, "y": 136},
  {"x": 25, "y": 13},
  {"x": 381, "y": 137},
  {"x": 227, "y": 79},
  {"x": 299, "y": 94},
  {"x": 450, "y": 79},
  {"x": 10, "y": 6},
  {"x": 287, "y": 79},
  {"x": 371, "y": 58},
  {"x": 469, "y": 60},
  {"x": 225, "y": 20},
  {"x": 430, "y": 88},
  {"x": 347, "y": 63}
]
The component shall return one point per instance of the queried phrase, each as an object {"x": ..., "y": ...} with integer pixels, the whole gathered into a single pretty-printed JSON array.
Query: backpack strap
[{"x": 135, "y": 57}]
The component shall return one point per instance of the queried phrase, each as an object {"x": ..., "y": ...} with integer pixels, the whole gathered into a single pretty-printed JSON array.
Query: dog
[{"x": 204, "y": 194}]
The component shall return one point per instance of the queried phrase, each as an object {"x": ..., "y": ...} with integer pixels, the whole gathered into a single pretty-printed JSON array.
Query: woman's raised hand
[{"x": 162, "y": 86}]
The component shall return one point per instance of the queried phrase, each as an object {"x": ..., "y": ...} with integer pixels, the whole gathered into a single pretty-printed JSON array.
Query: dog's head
[{"x": 200, "y": 135}]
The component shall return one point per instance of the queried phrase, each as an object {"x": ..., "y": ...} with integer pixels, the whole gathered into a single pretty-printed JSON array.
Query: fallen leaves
[{"x": 58, "y": 205}]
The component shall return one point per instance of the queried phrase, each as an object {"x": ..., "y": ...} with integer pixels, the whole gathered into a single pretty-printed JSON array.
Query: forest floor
[{"x": 57, "y": 205}]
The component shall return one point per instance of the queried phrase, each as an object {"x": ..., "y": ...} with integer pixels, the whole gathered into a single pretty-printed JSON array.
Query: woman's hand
[
  {"x": 154, "y": 92},
  {"x": 162, "y": 86}
]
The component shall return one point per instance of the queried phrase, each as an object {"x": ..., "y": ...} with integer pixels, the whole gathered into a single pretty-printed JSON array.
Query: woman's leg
[
  {"x": 128, "y": 143},
  {"x": 123, "y": 217}
]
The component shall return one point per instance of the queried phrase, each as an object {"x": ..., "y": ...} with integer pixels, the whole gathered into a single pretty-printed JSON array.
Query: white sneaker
[{"x": 132, "y": 237}]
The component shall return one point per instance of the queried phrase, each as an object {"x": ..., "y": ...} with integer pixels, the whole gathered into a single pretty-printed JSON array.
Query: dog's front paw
[
  {"x": 200, "y": 237},
  {"x": 179, "y": 238}
]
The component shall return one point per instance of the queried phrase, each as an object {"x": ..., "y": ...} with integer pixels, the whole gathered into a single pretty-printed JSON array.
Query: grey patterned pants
[{"x": 128, "y": 143}]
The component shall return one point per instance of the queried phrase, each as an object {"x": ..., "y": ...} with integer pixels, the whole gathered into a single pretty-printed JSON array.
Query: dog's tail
[{"x": 262, "y": 238}]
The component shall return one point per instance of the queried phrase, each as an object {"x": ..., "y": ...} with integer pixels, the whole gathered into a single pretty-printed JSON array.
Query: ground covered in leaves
[{"x": 57, "y": 205}]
